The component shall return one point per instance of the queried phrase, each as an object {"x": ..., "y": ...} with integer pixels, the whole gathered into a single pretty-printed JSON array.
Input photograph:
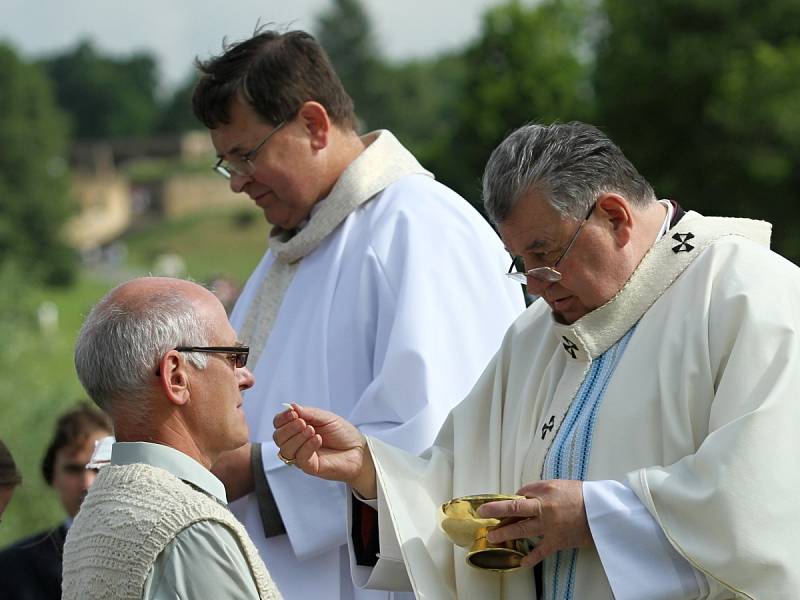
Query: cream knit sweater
[{"x": 129, "y": 516}]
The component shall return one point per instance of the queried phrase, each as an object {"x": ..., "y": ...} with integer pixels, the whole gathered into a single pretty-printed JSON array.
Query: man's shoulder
[
  {"x": 210, "y": 533},
  {"x": 418, "y": 193},
  {"x": 418, "y": 206},
  {"x": 744, "y": 256}
]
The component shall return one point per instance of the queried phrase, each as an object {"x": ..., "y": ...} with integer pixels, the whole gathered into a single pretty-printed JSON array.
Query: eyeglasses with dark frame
[
  {"x": 239, "y": 353},
  {"x": 547, "y": 274},
  {"x": 243, "y": 165}
]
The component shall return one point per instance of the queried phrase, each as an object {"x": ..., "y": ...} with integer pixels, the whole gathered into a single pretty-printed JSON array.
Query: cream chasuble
[
  {"x": 384, "y": 308},
  {"x": 697, "y": 412}
]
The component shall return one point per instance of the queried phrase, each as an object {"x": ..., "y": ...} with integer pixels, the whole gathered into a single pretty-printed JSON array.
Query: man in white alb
[
  {"x": 646, "y": 408},
  {"x": 381, "y": 296}
]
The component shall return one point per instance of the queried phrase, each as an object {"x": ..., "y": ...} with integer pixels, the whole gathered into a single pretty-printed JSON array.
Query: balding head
[{"x": 127, "y": 332}]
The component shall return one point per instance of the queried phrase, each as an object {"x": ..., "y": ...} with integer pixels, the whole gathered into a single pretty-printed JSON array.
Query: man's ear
[
  {"x": 317, "y": 124},
  {"x": 618, "y": 216},
  {"x": 174, "y": 378}
]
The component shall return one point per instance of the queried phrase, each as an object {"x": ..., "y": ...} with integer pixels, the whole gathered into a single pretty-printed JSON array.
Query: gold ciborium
[{"x": 459, "y": 519}]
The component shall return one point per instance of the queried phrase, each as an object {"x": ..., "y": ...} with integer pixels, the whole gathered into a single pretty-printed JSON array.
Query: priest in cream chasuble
[{"x": 645, "y": 406}]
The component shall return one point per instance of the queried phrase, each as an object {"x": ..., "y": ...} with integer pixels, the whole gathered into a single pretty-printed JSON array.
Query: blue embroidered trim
[{"x": 568, "y": 457}]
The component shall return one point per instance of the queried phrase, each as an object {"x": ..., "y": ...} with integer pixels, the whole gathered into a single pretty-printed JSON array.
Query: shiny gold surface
[{"x": 458, "y": 518}]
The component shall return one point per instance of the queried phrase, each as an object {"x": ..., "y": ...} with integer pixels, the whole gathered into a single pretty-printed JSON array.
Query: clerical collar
[
  {"x": 674, "y": 214},
  {"x": 665, "y": 226}
]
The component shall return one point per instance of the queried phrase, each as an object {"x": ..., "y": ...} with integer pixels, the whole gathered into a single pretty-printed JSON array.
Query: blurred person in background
[
  {"x": 31, "y": 567},
  {"x": 10, "y": 477},
  {"x": 382, "y": 295}
]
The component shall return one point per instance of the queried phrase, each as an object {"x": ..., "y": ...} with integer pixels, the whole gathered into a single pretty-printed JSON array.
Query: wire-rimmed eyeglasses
[
  {"x": 547, "y": 274},
  {"x": 243, "y": 164}
]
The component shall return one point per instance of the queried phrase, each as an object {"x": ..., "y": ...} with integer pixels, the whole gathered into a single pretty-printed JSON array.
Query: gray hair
[
  {"x": 570, "y": 164},
  {"x": 122, "y": 341}
]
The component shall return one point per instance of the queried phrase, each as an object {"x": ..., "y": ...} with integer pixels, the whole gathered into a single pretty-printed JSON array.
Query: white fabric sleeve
[
  {"x": 389, "y": 573},
  {"x": 307, "y": 504},
  {"x": 372, "y": 503},
  {"x": 638, "y": 560}
]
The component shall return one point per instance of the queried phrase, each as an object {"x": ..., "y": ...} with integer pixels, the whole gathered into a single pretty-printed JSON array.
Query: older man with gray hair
[
  {"x": 645, "y": 409},
  {"x": 159, "y": 356}
]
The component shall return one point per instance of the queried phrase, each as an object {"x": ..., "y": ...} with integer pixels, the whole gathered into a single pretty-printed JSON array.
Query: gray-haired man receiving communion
[{"x": 159, "y": 356}]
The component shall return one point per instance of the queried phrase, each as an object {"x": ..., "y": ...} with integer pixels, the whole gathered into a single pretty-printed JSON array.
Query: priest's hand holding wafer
[
  {"x": 325, "y": 445},
  {"x": 551, "y": 510}
]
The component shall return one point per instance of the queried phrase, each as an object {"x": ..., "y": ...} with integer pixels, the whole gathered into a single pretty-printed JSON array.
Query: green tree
[
  {"x": 345, "y": 31},
  {"x": 529, "y": 63},
  {"x": 414, "y": 99},
  {"x": 175, "y": 114},
  {"x": 103, "y": 96},
  {"x": 34, "y": 198},
  {"x": 420, "y": 98},
  {"x": 704, "y": 96}
]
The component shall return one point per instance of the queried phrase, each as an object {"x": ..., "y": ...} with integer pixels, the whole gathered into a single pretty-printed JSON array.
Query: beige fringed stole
[{"x": 383, "y": 162}]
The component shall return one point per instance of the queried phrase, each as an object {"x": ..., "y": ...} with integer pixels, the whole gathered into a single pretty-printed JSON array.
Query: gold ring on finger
[{"x": 286, "y": 461}]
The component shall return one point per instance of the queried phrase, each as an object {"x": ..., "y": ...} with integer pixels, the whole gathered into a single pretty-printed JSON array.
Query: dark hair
[
  {"x": 9, "y": 473},
  {"x": 275, "y": 73},
  {"x": 72, "y": 429}
]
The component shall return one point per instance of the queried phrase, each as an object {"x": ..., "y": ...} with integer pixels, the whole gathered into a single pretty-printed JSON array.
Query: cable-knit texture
[{"x": 129, "y": 516}]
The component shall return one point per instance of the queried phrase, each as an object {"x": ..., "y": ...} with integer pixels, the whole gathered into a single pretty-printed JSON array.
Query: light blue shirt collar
[{"x": 173, "y": 461}]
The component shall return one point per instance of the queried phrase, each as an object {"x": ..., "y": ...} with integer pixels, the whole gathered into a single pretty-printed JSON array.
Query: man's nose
[
  {"x": 246, "y": 378},
  {"x": 237, "y": 182},
  {"x": 536, "y": 286}
]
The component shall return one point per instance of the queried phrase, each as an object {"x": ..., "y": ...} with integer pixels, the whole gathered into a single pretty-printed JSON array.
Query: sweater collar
[{"x": 171, "y": 460}]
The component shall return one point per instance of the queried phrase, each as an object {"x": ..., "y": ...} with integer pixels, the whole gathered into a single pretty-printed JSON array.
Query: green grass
[
  {"x": 37, "y": 377},
  {"x": 37, "y": 382},
  {"x": 228, "y": 242}
]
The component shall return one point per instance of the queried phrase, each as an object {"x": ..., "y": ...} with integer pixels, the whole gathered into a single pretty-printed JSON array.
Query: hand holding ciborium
[{"x": 459, "y": 519}]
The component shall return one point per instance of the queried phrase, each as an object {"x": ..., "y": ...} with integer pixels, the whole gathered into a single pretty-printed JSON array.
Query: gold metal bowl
[{"x": 459, "y": 519}]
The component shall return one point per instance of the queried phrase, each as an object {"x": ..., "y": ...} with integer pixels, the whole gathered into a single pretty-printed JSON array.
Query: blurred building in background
[{"x": 120, "y": 183}]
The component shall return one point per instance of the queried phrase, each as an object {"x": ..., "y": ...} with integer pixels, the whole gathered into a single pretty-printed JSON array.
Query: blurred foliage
[
  {"x": 703, "y": 97},
  {"x": 176, "y": 113},
  {"x": 420, "y": 99},
  {"x": 37, "y": 382},
  {"x": 231, "y": 244},
  {"x": 416, "y": 100},
  {"x": 345, "y": 31},
  {"x": 34, "y": 197},
  {"x": 528, "y": 64},
  {"x": 105, "y": 96},
  {"x": 149, "y": 170}
]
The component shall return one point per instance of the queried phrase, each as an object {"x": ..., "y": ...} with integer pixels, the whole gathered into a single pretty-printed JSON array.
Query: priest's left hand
[
  {"x": 552, "y": 510},
  {"x": 235, "y": 470}
]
